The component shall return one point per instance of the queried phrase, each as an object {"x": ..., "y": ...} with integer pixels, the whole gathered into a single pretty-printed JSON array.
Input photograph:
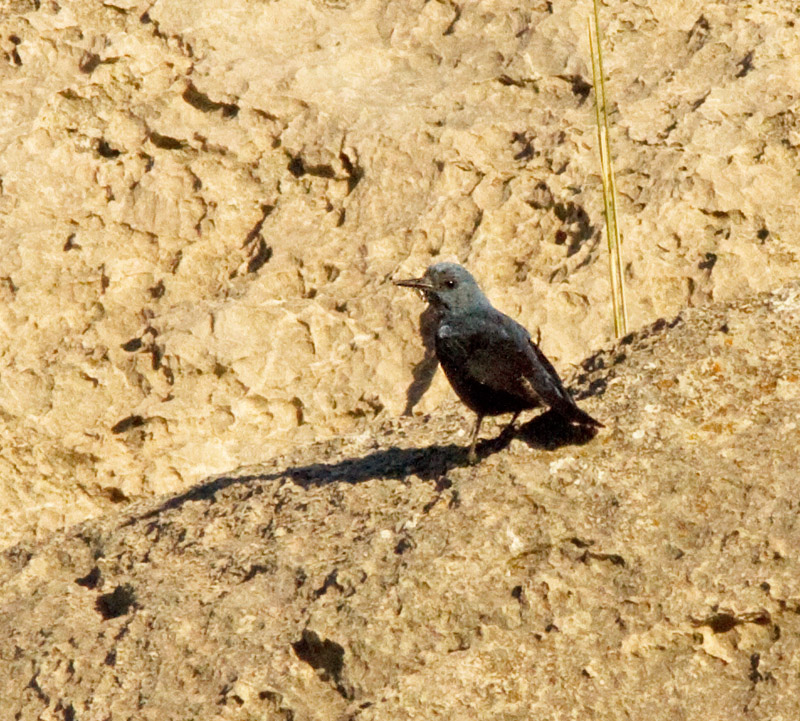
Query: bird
[{"x": 489, "y": 359}]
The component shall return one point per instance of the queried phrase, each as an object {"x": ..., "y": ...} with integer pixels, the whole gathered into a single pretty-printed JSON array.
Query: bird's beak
[{"x": 418, "y": 283}]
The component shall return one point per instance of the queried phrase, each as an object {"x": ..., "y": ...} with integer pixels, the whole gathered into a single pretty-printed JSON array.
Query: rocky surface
[
  {"x": 201, "y": 204},
  {"x": 649, "y": 573}
]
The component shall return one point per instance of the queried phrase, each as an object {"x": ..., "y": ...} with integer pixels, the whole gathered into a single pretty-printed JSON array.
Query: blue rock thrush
[{"x": 490, "y": 360}]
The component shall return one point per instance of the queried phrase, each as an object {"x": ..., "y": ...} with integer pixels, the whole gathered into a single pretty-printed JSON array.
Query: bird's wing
[
  {"x": 500, "y": 354},
  {"x": 547, "y": 383},
  {"x": 494, "y": 350},
  {"x": 544, "y": 377}
]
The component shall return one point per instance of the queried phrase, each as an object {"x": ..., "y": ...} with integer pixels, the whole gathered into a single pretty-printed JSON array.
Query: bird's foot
[
  {"x": 509, "y": 431},
  {"x": 472, "y": 456}
]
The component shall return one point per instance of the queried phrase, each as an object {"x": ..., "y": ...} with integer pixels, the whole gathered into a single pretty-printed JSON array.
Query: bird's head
[{"x": 448, "y": 286}]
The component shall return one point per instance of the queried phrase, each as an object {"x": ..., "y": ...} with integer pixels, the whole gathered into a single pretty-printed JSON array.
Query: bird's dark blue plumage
[{"x": 490, "y": 360}]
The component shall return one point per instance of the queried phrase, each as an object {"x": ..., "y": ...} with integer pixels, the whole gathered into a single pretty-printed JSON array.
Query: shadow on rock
[
  {"x": 430, "y": 464},
  {"x": 425, "y": 370},
  {"x": 547, "y": 431}
]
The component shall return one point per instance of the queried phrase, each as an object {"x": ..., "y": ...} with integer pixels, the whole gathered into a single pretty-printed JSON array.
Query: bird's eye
[{"x": 450, "y": 283}]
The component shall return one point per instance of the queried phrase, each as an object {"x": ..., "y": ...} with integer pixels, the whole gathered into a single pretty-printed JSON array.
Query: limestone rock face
[
  {"x": 202, "y": 203},
  {"x": 650, "y": 573}
]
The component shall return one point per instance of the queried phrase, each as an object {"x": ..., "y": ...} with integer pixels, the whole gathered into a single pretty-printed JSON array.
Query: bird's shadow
[
  {"x": 546, "y": 431},
  {"x": 424, "y": 371}
]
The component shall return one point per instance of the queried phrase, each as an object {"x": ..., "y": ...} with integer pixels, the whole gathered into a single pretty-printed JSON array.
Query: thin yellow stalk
[{"x": 609, "y": 184}]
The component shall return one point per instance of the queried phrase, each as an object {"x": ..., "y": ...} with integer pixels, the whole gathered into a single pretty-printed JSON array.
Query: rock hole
[
  {"x": 299, "y": 410},
  {"x": 115, "y": 495},
  {"x": 580, "y": 87},
  {"x": 354, "y": 172},
  {"x": 698, "y": 34},
  {"x": 255, "y": 232},
  {"x": 296, "y": 167},
  {"x": 261, "y": 257},
  {"x": 254, "y": 570},
  {"x": 331, "y": 581},
  {"x": 88, "y": 62},
  {"x": 709, "y": 262},
  {"x": 403, "y": 545},
  {"x": 106, "y": 151},
  {"x": 127, "y": 423},
  {"x": 321, "y": 171},
  {"x": 745, "y": 65},
  {"x": 721, "y": 622},
  {"x": 324, "y": 656},
  {"x": 202, "y": 102},
  {"x": 132, "y": 345},
  {"x": 754, "y": 675},
  {"x": 117, "y": 603},
  {"x": 526, "y": 144},
  {"x": 91, "y": 579},
  {"x": 165, "y": 142}
]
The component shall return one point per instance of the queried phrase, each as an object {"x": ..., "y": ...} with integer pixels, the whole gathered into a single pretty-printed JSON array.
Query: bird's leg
[
  {"x": 509, "y": 429},
  {"x": 472, "y": 457}
]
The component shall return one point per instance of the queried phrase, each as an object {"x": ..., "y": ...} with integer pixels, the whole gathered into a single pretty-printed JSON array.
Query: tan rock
[
  {"x": 202, "y": 205},
  {"x": 649, "y": 572}
]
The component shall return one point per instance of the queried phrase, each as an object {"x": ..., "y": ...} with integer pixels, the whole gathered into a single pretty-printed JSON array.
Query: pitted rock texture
[
  {"x": 649, "y": 573},
  {"x": 201, "y": 205}
]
